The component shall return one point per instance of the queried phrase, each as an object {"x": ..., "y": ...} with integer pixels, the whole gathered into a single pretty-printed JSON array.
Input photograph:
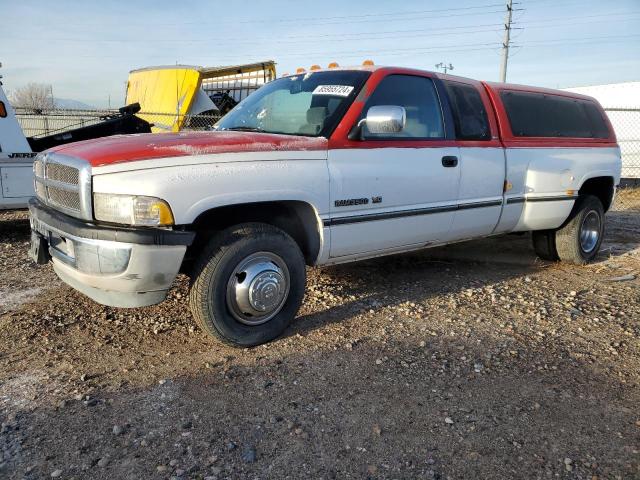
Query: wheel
[
  {"x": 578, "y": 240},
  {"x": 544, "y": 244},
  {"x": 247, "y": 284}
]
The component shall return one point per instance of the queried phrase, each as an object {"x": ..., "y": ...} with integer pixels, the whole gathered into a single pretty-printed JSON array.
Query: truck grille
[
  {"x": 64, "y": 198},
  {"x": 63, "y": 173},
  {"x": 63, "y": 183}
]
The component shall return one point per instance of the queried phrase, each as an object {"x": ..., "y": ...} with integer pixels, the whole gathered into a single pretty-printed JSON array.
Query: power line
[
  {"x": 415, "y": 17},
  {"x": 357, "y": 34},
  {"x": 412, "y": 51},
  {"x": 321, "y": 20},
  {"x": 587, "y": 22},
  {"x": 341, "y": 53},
  {"x": 581, "y": 39},
  {"x": 313, "y": 38},
  {"x": 409, "y": 34},
  {"x": 346, "y": 18},
  {"x": 369, "y": 34},
  {"x": 449, "y": 48},
  {"x": 560, "y": 22},
  {"x": 368, "y": 15},
  {"x": 571, "y": 20},
  {"x": 395, "y": 53}
]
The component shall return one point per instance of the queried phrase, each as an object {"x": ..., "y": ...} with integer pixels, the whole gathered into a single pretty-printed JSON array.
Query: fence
[
  {"x": 626, "y": 123},
  {"x": 42, "y": 123}
]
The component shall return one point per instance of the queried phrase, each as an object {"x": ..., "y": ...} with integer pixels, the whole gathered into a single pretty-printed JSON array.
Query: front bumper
[{"x": 119, "y": 267}]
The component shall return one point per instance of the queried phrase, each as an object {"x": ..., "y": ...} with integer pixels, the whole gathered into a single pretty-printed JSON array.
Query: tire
[
  {"x": 578, "y": 240},
  {"x": 241, "y": 271},
  {"x": 544, "y": 244}
]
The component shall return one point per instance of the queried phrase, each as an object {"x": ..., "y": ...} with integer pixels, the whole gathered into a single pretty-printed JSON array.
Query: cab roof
[{"x": 496, "y": 86}]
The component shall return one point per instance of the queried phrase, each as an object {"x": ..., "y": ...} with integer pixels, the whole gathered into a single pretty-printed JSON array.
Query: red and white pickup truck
[{"x": 320, "y": 168}]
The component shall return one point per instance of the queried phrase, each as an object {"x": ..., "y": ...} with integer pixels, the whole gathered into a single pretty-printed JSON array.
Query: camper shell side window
[{"x": 552, "y": 116}]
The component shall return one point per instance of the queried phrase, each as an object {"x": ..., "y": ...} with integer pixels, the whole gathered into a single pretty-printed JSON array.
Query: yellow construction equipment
[{"x": 170, "y": 95}]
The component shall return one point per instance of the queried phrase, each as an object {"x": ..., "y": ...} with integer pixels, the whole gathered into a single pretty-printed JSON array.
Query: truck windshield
[{"x": 308, "y": 104}]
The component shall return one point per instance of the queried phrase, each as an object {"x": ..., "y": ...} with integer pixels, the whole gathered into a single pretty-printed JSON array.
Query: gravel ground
[{"x": 427, "y": 365}]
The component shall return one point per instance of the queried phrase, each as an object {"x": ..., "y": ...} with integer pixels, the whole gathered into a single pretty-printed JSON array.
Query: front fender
[{"x": 193, "y": 189}]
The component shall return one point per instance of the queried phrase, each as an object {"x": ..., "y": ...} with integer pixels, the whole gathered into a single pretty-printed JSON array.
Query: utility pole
[
  {"x": 506, "y": 41},
  {"x": 444, "y": 67}
]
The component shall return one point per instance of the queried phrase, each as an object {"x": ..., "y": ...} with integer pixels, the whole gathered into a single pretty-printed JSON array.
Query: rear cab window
[
  {"x": 470, "y": 116},
  {"x": 544, "y": 115}
]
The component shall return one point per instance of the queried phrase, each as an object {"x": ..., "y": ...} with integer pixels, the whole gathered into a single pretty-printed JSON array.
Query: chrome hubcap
[
  {"x": 590, "y": 232},
  {"x": 258, "y": 288}
]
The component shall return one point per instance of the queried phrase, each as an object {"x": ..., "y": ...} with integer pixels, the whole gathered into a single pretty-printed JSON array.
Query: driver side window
[{"x": 420, "y": 100}]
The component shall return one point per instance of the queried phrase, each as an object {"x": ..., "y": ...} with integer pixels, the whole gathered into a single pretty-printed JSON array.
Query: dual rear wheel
[{"x": 578, "y": 240}]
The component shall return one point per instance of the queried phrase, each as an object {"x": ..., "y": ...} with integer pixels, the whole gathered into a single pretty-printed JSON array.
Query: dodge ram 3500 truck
[{"x": 320, "y": 168}]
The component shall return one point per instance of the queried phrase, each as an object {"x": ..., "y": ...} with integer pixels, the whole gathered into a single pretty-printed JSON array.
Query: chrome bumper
[{"x": 92, "y": 260}]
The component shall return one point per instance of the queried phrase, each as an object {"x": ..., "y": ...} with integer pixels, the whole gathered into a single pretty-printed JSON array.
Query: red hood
[{"x": 129, "y": 148}]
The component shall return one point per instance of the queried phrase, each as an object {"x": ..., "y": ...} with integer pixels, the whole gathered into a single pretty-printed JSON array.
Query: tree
[{"x": 36, "y": 96}]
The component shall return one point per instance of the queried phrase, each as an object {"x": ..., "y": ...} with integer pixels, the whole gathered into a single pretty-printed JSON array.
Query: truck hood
[{"x": 130, "y": 148}]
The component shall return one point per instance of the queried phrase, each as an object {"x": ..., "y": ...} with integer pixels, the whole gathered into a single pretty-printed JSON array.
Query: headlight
[{"x": 131, "y": 210}]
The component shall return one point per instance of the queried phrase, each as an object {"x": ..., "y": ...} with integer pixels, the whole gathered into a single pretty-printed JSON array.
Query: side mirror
[{"x": 383, "y": 119}]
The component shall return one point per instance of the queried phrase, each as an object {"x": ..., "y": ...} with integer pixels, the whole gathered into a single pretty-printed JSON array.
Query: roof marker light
[
  {"x": 314, "y": 67},
  {"x": 300, "y": 70},
  {"x": 368, "y": 63},
  {"x": 333, "y": 65}
]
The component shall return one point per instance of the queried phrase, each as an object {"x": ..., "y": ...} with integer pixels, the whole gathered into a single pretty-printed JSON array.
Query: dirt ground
[{"x": 476, "y": 361}]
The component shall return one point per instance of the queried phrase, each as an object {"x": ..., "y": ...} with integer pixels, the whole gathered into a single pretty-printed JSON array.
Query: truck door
[
  {"x": 394, "y": 191},
  {"x": 482, "y": 161}
]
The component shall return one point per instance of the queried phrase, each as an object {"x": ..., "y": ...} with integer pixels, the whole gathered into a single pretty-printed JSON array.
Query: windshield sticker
[{"x": 335, "y": 90}]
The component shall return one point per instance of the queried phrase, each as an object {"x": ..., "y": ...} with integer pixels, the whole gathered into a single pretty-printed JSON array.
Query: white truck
[
  {"x": 16, "y": 159},
  {"x": 320, "y": 168}
]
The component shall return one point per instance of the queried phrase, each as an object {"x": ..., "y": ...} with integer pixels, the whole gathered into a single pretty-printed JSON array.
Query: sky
[{"x": 85, "y": 49}]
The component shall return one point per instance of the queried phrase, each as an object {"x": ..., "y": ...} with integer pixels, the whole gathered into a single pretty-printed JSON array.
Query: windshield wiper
[{"x": 246, "y": 129}]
